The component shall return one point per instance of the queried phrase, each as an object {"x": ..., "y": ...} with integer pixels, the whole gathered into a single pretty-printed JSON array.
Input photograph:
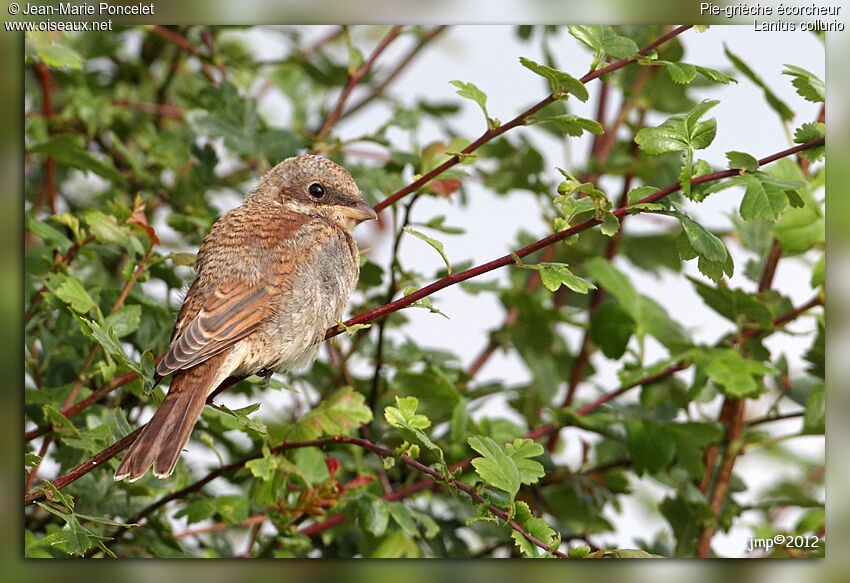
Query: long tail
[{"x": 161, "y": 442}]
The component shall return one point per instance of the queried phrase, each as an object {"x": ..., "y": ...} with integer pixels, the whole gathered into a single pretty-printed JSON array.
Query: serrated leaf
[
  {"x": 558, "y": 80},
  {"x": 433, "y": 243},
  {"x": 470, "y": 91},
  {"x": 534, "y": 526},
  {"x": 715, "y": 75},
  {"x": 553, "y": 275},
  {"x": 573, "y": 125},
  {"x": 495, "y": 467},
  {"x": 705, "y": 243},
  {"x": 343, "y": 411},
  {"x": 807, "y": 84},
  {"x": 681, "y": 73},
  {"x": 762, "y": 199},
  {"x": 661, "y": 139},
  {"x": 742, "y": 161},
  {"x": 737, "y": 376},
  {"x": 521, "y": 451},
  {"x": 71, "y": 291},
  {"x": 808, "y": 132}
]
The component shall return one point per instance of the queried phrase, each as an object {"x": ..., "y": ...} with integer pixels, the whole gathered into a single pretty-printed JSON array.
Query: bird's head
[{"x": 314, "y": 186}]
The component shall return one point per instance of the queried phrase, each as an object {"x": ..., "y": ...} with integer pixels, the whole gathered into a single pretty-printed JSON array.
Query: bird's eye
[{"x": 316, "y": 190}]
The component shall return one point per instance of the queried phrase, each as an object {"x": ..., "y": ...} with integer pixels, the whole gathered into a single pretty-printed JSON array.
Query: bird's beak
[{"x": 360, "y": 211}]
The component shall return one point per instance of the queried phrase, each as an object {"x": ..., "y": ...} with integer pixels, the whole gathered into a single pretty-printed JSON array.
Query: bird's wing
[{"x": 232, "y": 312}]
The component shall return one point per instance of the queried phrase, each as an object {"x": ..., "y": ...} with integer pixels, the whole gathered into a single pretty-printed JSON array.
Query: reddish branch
[
  {"x": 354, "y": 79},
  {"x": 545, "y": 242},
  {"x": 520, "y": 120},
  {"x": 484, "y": 268},
  {"x": 49, "y": 163}
]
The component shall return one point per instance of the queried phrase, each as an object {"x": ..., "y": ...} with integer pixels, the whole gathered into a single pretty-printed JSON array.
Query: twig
[
  {"x": 505, "y": 260},
  {"x": 519, "y": 120},
  {"x": 49, "y": 162},
  {"x": 404, "y": 62},
  {"x": 354, "y": 79},
  {"x": 158, "y": 109}
]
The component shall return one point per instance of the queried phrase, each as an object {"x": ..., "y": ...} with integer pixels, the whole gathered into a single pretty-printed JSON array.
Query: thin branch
[
  {"x": 354, "y": 79},
  {"x": 49, "y": 162},
  {"x": 501, "y": 262},
  {"x": 402, "y": 64},
  {"x": 158, "y": 109},
  {"x": 519, "y": 120},
  {"x": 505, "y": 260},
  {"x": 771, "y": 418}
]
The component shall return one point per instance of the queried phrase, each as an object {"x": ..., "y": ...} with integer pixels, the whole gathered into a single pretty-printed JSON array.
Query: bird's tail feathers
[{"x": 162, "y": 440}]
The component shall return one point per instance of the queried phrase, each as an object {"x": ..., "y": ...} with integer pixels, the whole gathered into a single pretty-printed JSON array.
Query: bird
[{"x": 271, "y": 276}]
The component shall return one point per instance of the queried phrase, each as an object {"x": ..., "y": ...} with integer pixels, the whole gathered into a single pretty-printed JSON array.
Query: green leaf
[
  {"x": 534, "y": 526},
  {"x": 610, "y": 224},
  {"x": 310, "y": 465},
  {"x": 410, "y": 425},
  {"x": 71, "y": 291},
  {"x": 521, "y": 451},
  {"x": 736, "y": 305},
  {"x": 572, "y": 125},
  {"x": 737, "y": 376},
  {"x": 125, "y": 320},
  {"x": 808, "y": 132},
  {"x": 618, "y": 46},
  {"x": 681, "y": 73},
  {"x": 773, "y": 101},
  {"x": 553, "y": 275},
  {"x": 763, "y": 198},
  {"x": 662, "y": 139},
  {"x": 650, "y": 447},
  {"x": 343, "y": 411},
  {"x": 590, "y": 35},
  {"x": 742, "y": 161},
  {"x": 495, "y": 467},
  {"x": 433, "y": 243},
  {"x": 807, "y": 84},
  {"x": 704, "y": 242},
  {"x": 715, "y": 75},
  {"x": 470, "y": 91},
  {"x": 610, "y": 329},
  {"x": 65, "y": 150},
  {"x": 435, "y": 394},
  {"x": 350, "y": 330},
  {"x": 424, "y": 302},
  {"x": 52, "y": 237},
  {"x": 815, "y": 414},
  {"x": 558, "y": 80},
  {"x": 54, "y": 54},
  {"x": 265, "y": 467}
]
